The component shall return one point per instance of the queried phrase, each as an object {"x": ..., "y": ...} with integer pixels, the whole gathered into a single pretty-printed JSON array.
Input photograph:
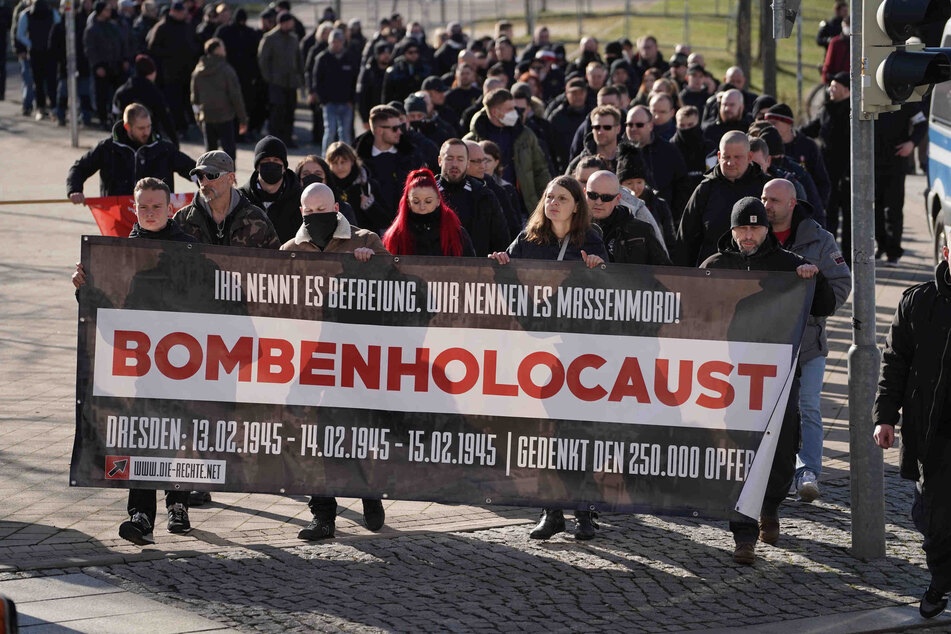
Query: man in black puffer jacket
[
  {"x": 750, "y": 245},
  {"x": 914, "y": 380},
  {"x": 478, "y": 209},
  {"x": 130, "y": 154},
  {"x": 707, "y": 214},
  {"x": 627, "y": 239}
]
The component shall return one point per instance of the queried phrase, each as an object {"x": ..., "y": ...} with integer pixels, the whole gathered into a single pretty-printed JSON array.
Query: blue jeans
[
  {"x": 810, "y": 454},
  {"x": 338, "y": 124},
  {"x": 26, "y": 73},
  {"x": 85, "y": 99}
]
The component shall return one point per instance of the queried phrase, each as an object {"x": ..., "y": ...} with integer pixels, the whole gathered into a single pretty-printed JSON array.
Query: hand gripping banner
[{"x": 447, "y": 379}]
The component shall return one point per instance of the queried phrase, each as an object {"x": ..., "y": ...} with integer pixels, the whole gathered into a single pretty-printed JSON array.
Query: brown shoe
[
  {"x": 745, "y": 553},
  {"x": 769, "y": 530}
]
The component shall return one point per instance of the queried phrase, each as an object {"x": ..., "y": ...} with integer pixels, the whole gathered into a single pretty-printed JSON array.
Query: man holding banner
[
  {"x": 751, "y": 245},
  {"x": 132, "y": 152}
]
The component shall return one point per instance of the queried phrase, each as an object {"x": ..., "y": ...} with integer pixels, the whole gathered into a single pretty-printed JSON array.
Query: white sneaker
[{"x": 808, "y": 489}]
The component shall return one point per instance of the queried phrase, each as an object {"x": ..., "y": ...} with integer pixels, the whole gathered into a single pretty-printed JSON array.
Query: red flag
[{"x": 115, "y": 215}]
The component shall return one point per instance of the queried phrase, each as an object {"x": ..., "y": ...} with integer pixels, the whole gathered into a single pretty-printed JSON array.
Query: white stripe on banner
[{"x": 636, "y": 380}]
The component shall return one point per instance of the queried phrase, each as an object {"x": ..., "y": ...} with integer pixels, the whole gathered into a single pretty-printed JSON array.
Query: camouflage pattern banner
[{"x": 446, "y": 379}]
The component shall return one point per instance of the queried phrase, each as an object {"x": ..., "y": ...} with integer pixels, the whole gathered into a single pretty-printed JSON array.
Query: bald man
[
  {"x": 799, "y": 233},
  {"x": 707, "y": 214},
  {"x": 326, "y": 230},
  {"x": 731, "y": 116},
  {"x": 627, "y": 239}
]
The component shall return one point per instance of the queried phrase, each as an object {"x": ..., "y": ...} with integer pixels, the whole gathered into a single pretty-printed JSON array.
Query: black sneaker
[
  {"x": 552, "y": 521},
  {"x": 587, "y": 527},
  {"x": 197, "y": 498},
  {"x": 137, "y": 530},
  {"x": 373, "y": 514},
  {"x": 318, "y": 528},
  {"x": 178, "y": 519},
  {"x": 932, "y": 604}
]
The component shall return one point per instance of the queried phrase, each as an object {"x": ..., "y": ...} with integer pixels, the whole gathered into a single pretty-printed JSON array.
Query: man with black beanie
[
  {"x": 633, "y": 175},
  {"x": 274, "y": 188},
  {"x": 750, "y": 245}
]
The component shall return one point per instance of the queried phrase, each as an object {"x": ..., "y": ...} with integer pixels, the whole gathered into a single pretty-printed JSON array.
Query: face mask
[
  {"x": 510, "y": 118},
  {"x": 321, "y": 227},
  {"x": 310, "y": 179},
  {"x": 271, "y": 173},
  {"x": 417, "y": 36},
  {"x": 846, "y": 30}
]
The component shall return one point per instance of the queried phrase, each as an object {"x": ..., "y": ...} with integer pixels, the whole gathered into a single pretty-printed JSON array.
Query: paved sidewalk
[{"x": 434, "y": 567}]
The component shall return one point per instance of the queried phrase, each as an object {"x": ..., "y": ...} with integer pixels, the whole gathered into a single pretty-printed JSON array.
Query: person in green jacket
[
  {"x": 217, "y": 99},
  {"x": 522, "y": 160}
]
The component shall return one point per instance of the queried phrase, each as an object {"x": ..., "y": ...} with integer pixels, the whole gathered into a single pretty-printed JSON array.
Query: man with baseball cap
[
  {"x": 751, "y": 245},
  {"x": 220, "y": 214}
]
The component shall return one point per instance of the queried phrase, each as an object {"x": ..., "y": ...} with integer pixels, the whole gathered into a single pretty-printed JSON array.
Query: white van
[{"x": 938, "y": 194}]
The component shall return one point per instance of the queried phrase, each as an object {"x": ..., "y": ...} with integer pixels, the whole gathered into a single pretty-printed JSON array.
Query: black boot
[
  {"x": 373, "y": 514},
  {"x": 552, "y": 521},
  {"x": 319, "y": 528},
  {"x": 933, "y": 603},
  {"x": 587, "y": 527}
]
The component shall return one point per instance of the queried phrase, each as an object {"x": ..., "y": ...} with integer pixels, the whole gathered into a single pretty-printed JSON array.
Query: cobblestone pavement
[{"x": 435, "y": 567}]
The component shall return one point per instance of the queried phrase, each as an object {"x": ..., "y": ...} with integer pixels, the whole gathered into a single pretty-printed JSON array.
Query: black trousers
[
  {"x": 840, "y": 202},
  {"x": 283, "y": 103},
  {"x": 781, "y": 473},
  {"x": 932, "y": 512},
  {"x": 143, "y": 501},
  {"x": 325, "y": 508},
  {"x": 105, "y": 90},
  {"x": 889, "y": 212},
  {"x": 178, "y": 97},
  {"x": 4, "y": 43},
  {"x": 44, "y": 78},
  {"x": 222, "y": 134}
]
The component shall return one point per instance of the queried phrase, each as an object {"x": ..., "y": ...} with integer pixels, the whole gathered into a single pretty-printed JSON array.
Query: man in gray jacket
[
  {"x": 216, "y": 96},
  {"x": 799, "y": 233},
  {"x": 279, "y": 60}
]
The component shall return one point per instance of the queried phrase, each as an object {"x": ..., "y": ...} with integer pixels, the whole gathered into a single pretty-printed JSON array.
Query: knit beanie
[{"x": 270, "y": 146}]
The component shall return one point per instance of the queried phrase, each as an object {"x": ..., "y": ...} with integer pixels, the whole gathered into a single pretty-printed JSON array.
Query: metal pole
[
  {"x": 799, "y": 64},
  {"x": 578, "y": 12},
  {"x": 865, "y": 459},
  {"x": 627, "y": 18},
  {"x": 72, "y": 90},
  {"x": 529, "y": 18}
]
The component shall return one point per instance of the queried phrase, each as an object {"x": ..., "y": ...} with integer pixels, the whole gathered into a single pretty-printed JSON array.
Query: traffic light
[{"x": 898, "y": 66}]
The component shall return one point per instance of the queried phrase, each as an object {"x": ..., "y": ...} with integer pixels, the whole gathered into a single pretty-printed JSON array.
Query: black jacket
[
  {"x": 335, "y": 78},
  {"x": 173, "y": 46},
  {"x": 426, "y": 231},
  {"x": 369, "y": 88},
  {"x": 667, "y": 172},
  {"x": 282, "y": 208},
  {"x": 804, "y": 151},
  {"x": 770, "y": 257},
  {"x": 915, "y": 371},
  {"x": 241, "y": 47},
  {"x": 407, "y": 159},
  {"x": 660, "y": 209},
  {"x": 508, "y": 199},
  {"x": 565, "y": 121},
  {"x": 707, "y": 214},
  {"x": 403, "y": 78},
  {"x": 894, "y": 128},
  {"x": 121, "y": 164},
  {"x": 631, "y": 241},
  {"x": 832, "y": 127},
  {"x": 479, "y": 212},
  {"x": 521, "y": 247},
  {"x": 171, "y": 232}
]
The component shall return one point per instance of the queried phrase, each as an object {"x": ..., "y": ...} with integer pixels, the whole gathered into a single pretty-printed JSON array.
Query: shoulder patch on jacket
[{"x": 837, "y": 257}]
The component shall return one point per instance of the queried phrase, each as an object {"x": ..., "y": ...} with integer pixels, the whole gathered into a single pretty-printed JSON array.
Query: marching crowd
[{"x": 467, "y": 146}]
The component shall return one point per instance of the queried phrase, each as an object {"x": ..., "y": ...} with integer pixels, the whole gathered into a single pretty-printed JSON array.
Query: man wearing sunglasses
[
  {"x": 627, "y": 239},
  {"x": 603, "y": 139},
  {"x": 664, "y": 161},
  {"x": 220, "y": 214}
]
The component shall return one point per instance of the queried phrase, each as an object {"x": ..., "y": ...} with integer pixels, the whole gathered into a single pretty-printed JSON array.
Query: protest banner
[
  {"x": 115, "y": 215},
  {"x": 538, "y": 383}
]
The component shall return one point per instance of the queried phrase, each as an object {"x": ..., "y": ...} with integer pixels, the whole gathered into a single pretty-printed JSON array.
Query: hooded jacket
[
  {"x": 121, "y": 164},
  {"x": 707, "y": 214},
  {"x": 916, "y": 370},
  {"x": 818, "y": 247},
  {"x": 215, "y": 88},
  {"x": 531, "y": 169}
]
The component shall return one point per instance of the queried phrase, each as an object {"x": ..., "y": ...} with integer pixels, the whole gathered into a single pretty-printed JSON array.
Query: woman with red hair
[{"x": 424, "y": 225}]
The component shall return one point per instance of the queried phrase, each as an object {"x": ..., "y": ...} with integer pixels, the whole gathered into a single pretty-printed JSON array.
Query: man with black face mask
[{"x": 274, "y": 188}]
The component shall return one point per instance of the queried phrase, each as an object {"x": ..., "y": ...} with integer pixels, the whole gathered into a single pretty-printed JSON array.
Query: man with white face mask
[{"x": 522, "y": 159}]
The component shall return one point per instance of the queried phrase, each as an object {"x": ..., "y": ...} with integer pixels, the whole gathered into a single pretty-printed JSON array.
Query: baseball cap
[{"x": 214, "y": 161}]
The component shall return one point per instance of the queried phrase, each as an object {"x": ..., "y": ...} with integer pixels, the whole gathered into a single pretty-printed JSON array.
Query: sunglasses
[
  {"x": 636, "y": 124},
  {"x": 605, "y": 198},
  {"x": 400, "y": 127},
  {"x": 602, "y": 127},
  {"x": 209, "y": 176}
]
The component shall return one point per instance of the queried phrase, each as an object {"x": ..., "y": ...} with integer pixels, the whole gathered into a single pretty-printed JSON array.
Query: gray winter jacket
[{"x": 818, "y": 246}]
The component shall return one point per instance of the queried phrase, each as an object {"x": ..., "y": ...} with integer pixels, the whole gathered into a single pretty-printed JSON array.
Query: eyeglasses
[
  {"x": 606, "y": 128},
  {"x": 605, "y": 198},
  {"x": 636, "y": 124},
  {"x": 478, "y": 161},
  {"x": 208, "y": 176}
]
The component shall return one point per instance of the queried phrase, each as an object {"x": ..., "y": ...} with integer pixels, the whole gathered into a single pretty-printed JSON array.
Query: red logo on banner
[
  {"x": 117, "y": 467},
  {"x": 115, "y": 215}
]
